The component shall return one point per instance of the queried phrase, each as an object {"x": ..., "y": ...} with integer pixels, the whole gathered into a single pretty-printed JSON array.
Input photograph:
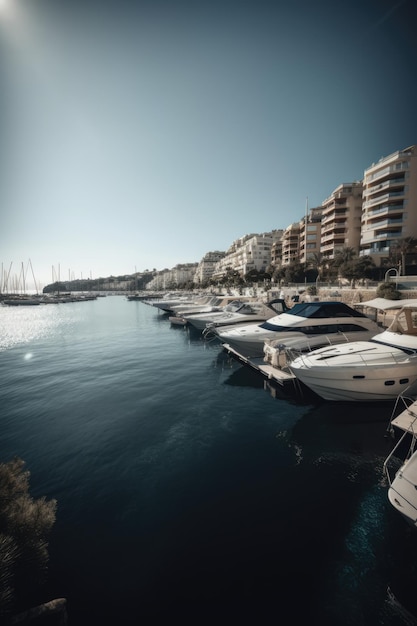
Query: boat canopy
[
  {"x": 329, "y": 309},
  {"x": 384, "y": 305}
]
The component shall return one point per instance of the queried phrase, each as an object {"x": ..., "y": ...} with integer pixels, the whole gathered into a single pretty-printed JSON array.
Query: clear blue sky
[{"x": 142, "y": 134}]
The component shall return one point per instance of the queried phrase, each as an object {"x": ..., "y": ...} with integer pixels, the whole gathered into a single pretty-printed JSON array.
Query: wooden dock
[
  {"x": 407, "y": 419},
  {"x": 275, "y": 374}
]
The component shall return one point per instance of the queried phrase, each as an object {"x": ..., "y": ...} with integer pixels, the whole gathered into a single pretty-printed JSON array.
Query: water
[{"x": 187, "y": 490}]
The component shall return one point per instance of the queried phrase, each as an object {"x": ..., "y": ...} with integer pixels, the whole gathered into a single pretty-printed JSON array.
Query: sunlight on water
[{"x": 20, "y": 325}]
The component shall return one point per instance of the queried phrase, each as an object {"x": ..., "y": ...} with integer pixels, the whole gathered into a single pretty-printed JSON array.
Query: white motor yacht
[
  {"x": 244, "y": 312},
  {"x": 215, "y": 303},
  {"x": 306, "y": 320},
  {"x": 378, "y": 369},
  {"x": 166, "y": 304}
]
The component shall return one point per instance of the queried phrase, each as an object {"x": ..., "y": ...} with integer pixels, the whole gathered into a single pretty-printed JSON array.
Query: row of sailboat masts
[
  {"x": 17, "y": 283},
  {"x": 56, "y": 275}
]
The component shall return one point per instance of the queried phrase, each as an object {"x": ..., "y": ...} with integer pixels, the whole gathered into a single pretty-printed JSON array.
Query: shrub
[
  {"x": 25, "y": 524},
  {"x": 388, "y": 291}
]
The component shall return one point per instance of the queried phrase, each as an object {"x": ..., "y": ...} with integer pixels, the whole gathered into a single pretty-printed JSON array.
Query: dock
[
  {"x": 276, "y": 374},
  {"x": 407, "y": 419}
]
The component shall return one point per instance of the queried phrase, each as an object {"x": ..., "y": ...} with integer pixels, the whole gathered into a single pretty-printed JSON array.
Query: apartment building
[
  {"x": 171, "y": 278},
  {"x": 207, "y": 266},
  {"x": 291, "y": 243},
  {"x": 341, "y": 220},
  {"x": 310, "y": 235},
  {"x": 276, "y": 253},
  {"x": 251, "y": 252},
  {"x": 389, "y": 211}
]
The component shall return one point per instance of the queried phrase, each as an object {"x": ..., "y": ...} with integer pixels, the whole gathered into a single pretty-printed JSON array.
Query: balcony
[
  {"x": 385, "y": 223},
  {"x": 336, "y": 215},
  {"x": 386, "y": 171},
  {"x": 374, "y": 250},
  {"x": 386, "y": 197},
  {"x": 388, "y": 235},
  {"x": 386, "y": 208},
  {"x": 388, "y": 184}
]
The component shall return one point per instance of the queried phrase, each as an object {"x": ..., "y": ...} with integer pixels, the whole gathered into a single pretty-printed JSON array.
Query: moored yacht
[
  {"x": 243, "y": 313},
  {"x": 374, "y": 370},
  {"x": 215, "y": 303},
  {"x": 306, "y": 320},
  {"x": 168, "y": 303}
]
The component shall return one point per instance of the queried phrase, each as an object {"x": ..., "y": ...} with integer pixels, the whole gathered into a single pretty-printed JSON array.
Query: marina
[{"x": 186, "y": 488}]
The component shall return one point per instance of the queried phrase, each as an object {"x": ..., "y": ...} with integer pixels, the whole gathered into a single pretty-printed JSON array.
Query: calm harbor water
[{"x": 187, "y": 490}]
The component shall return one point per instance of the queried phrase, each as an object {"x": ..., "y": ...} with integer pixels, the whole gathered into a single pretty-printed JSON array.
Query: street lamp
[{"x": 392, "y": 269}]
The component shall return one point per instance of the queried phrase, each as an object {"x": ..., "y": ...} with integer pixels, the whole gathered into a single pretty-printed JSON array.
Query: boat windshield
[
  {"x": 318, "y": 329},
  {"x": 249, "y": 309},
  {"x": 324, "y": 309},
  {"x": 394, "y": 346},
  {"x": 235, "y": 305}
]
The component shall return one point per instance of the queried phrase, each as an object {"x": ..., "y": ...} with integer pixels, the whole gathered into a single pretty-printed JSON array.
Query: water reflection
[{"x": 20, "y": 325}]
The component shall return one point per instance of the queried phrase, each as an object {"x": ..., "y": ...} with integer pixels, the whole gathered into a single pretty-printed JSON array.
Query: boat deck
[
  {"x": 272, "y": 373},
  {"x": 407, "y": 419}
]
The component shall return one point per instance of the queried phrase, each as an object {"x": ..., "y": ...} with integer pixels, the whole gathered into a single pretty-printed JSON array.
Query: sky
[{"x": 139, "y": 134}]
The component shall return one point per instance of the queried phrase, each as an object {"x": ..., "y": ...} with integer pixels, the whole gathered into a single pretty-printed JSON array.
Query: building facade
[
  {"x": 310, "y": 235},
  {"x": 173, "y": 278},
  {"x": 291, "y": 244},
  {"x": 389, "y": 210},
  {"x": 249, "y": 253},
  {"x": 207, "y": 266},
  {"x": 341, "y": 220}
]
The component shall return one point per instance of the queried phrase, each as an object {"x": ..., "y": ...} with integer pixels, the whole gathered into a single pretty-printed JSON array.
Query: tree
[
  {"x": 356, "y": 269},
  {"x": 344, "y": 255},
  {"x": 25, "y": 524},
  {"x": 294, "y": 272},
  {"x": 316, "y": 263},
  {"x": 252, "y": 276},
  {"x": 401, "y": 249}
]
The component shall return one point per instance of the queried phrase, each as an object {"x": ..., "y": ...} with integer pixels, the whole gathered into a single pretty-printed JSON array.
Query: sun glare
[{"x": 5, "y": 7}]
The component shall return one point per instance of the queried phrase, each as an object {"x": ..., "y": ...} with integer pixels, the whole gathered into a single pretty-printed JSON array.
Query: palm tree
[
  {"x": 401, "y": 249},
  {"x": 344, "y": 255},
  {"x": 316, "y": 261}
]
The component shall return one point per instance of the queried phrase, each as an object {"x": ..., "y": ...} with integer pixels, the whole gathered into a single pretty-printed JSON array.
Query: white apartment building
[
  {"x": 389, "y": 211},
  {"x": 169, "y": 279},
  {"x": 207, "y": 266},
  {"x": 341, "y": 219},
  {"x": 251, "y": 252}
]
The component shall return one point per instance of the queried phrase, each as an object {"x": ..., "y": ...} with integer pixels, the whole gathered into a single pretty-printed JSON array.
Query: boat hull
[
  {"x": 402, "y": 493},
  {"x": 358, "y": 383}
]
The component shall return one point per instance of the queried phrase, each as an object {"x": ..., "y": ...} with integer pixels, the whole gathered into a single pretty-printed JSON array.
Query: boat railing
[
  {"x": 280, "y": 355},
  {"x": 209, "y": 333},
  {"x": 392, "y": 463},
  {"x": 408, "y": 402}
]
